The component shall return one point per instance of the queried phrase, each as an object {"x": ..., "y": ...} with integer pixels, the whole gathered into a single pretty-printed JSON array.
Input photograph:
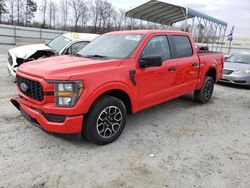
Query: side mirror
[{"x": 150, "y": 61}]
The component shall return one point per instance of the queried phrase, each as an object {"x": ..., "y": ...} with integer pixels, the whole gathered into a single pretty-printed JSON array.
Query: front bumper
[
  {"x": 49, "y": 122},
  {"x": 236, "y": 79}
]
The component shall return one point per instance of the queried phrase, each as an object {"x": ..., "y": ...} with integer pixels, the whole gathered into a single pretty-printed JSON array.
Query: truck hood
[
  {"x": 236, "y": 66},
  {"x": 26, "y": 51},
  {"x": 65, "y": 67}
]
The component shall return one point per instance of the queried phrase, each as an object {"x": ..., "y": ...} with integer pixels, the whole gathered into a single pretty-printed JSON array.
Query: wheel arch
[
  {"x": 122, "y": 95},
  {"x": 118, "y": 90},
  {"x": 212, "y": 73}
]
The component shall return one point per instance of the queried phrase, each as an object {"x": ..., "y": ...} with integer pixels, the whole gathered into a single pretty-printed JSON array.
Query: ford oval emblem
[{"x": 24, "y": 87}]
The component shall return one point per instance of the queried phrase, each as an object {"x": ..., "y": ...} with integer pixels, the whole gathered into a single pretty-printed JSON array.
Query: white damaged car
[{"x": 68, "y": 43}]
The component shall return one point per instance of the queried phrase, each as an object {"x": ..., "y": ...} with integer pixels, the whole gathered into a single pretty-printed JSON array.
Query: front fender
[{"x": 94, "y": 95}]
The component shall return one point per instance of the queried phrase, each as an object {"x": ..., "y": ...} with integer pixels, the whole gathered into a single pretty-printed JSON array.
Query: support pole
[
  {"x": 140, "y": 24},
  {"x": 193, "y": 26},
  {"x": 186, "y": 18},
  {"x": 198, "y": 30},
  {"x": 125, "y": 23},
  {"x": 219, "y": 38},
  {"x": 223, "y": 38},
  {"x": 205, "y": 26},
  {"x": 214, "y": 35},
  {"x": 132, "y": 23}
]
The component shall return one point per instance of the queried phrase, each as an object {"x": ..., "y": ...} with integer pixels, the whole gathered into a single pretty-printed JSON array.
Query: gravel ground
[{"x": 176, "y": 144}]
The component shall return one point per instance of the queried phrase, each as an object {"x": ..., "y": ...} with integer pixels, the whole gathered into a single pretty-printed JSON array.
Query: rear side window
[
  {"x": 157, "y": 46},
  {"x": 183, "y": 46}
]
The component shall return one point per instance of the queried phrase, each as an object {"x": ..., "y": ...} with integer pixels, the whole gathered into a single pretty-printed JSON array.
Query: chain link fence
[{"x": 12, "y": 34}]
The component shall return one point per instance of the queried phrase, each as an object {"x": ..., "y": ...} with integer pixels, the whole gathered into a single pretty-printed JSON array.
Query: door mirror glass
[{"x": 150, "y": 61}]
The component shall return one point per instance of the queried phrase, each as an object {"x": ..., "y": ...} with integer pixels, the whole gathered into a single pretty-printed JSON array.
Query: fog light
[{"x": 64, "y": 101}]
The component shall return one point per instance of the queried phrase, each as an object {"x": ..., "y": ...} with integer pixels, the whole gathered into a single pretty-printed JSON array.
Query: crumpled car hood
[{"x": 26, "y": 51}]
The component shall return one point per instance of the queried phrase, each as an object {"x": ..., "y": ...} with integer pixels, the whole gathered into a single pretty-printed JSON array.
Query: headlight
[
  {"x": 67, "y": 93},
  {"x": 243, "y": 72}
]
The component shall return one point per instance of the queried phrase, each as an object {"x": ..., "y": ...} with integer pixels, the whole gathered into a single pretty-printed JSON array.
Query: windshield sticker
[
  {"x": 75, "y": 36},
  {"x": 134, "y": 38}
]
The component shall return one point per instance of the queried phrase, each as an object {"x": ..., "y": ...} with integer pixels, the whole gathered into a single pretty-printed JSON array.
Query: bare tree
[
  {"x": 3, "y": 9},
  {"x": 54, "y": 10},
  {"x": 19, "y": 8},
  {"x": 100, "y": 12},
  {"x": 109, "y": 11},
  {"x": 95, "y": 7},
  {"x": 43, "y": 9},
  {"x": 85, "y": 18},
  {"x": 132, "y": 23},
  {"x": 64, "y": 10},
  {"x": 11, "y": 13},
  {"x": 52, "y": 13},
  {"x": 119, "y": 18},
  {"x": 79, "y": 8},
  {"x": 106, "y": 10},
  {"x": 31, "y": 8}
]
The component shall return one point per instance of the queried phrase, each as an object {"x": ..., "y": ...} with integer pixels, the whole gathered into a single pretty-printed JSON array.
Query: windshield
[
  {"x": 117, "y": 46},
  {"x": 59, "y": 43},
  {"x": 239, "y": 58}
]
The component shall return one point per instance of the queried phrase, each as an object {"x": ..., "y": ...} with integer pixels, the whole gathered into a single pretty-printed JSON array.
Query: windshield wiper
[
  {"x": 77, "y": 55},
  {"x": 95, "y": 55}
]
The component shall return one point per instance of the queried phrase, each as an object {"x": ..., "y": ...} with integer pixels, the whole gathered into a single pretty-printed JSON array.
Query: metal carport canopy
[{"x": 167, "y": 14}]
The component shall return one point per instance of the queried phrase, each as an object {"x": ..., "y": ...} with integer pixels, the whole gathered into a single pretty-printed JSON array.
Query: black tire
[
  {"x": 205, "y": 93},
  {"x": 104, "y": 114}
]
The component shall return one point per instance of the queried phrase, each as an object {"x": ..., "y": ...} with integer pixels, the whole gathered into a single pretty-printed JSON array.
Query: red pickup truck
[{"x": 117, "y": 74}]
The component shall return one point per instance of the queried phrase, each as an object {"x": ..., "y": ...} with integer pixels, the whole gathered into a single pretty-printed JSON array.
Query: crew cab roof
[
  {"x": 81, "y": 36},
  {"x": 144, "y": 32}
]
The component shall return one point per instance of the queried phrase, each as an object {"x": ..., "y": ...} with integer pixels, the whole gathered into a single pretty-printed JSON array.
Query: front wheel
[
  {"x": 205, "y": 93},
  {"x": 105, "y": 120}
]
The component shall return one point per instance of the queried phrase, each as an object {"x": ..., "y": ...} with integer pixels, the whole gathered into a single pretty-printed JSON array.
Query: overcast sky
[{"x": 234, "y": 12}]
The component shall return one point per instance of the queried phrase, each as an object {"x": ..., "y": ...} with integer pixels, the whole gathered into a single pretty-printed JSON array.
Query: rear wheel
[
  {"x": 205, "y": 93},
  {"x": 105, "y": 120}
]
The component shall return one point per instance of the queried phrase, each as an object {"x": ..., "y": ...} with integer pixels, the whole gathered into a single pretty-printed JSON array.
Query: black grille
[
  {"x": 33, "y": 88},
  {"x": 227, "y": 72},
  {"x": 10, "y": 59}
]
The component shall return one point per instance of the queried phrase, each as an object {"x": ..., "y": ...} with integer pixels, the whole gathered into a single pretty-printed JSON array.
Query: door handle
[
  {"x": 171, "y": 69},
  {"x": 195, "y": 64}
]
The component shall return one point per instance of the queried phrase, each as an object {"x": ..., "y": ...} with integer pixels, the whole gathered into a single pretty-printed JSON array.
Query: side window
[
  {"x": 183, "y": 46},
  {"x": 157, "y": 46},
  {"x": 75, "y": 47}
]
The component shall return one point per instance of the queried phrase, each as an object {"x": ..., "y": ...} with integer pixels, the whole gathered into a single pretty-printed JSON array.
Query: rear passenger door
[{"x": 187, "y": 67}]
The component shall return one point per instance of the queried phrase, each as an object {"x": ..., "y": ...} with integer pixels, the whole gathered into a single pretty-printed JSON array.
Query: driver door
[{"x": 156, "y": 84}]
